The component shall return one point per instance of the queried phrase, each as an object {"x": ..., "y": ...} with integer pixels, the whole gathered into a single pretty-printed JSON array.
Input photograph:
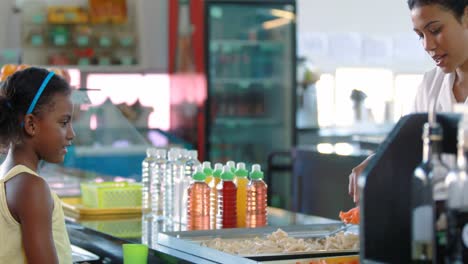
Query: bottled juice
[
  {"x": 218, "y": 169},
  {"x": 241, "y": 181},
  {"x": 198, "y": 202},
  {"x": 256, "y": 215},
  {"x": 208, "y": 171},
  {"x": 227, "y": 196}
]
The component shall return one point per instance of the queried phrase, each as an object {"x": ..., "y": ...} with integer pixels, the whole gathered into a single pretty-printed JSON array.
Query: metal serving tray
[{"x": 190, "y": 242}]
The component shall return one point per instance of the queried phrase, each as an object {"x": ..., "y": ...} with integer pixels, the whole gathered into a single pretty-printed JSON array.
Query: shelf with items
[
  {"x": 249, "y": 152},
  {"x": 233, "y": 122},
  {"x": 250, "y": 61},
  {"x": 265, "y": 83},
  {"x": 79, "y": 36},
  {"x": 240, "y": 103},
  {"x": 242, "y": 42}
]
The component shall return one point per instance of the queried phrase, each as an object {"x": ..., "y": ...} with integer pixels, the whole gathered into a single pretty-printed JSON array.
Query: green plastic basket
[
  {"x": 111, "y": 194},
  {"x": 127, "y": 228}
]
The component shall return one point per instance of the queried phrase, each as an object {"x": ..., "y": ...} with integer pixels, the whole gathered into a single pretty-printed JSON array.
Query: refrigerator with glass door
[{"x": 250, "y": 58}]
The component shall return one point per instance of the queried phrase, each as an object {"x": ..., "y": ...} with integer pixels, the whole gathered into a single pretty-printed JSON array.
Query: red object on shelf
[
  {"x": 84, "y": 53},
  {"x": 59, "y": 59}
]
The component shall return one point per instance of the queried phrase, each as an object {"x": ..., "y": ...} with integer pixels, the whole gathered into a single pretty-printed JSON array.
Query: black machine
[{"x": 385, "y": 204}]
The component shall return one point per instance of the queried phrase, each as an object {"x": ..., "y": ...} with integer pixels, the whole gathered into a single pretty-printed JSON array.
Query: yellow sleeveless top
[{"x": 11, "y": 249}]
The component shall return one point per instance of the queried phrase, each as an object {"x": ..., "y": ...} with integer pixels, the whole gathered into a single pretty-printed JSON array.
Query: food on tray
[
  {"x": 351, "y": 217},
  {"x": 280, "y": 242}
]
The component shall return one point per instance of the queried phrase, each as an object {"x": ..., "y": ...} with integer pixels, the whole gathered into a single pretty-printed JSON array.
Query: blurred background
[{"x": 305, "y": 88}]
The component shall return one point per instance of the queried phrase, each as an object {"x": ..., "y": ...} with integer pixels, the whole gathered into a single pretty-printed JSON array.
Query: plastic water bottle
[
  {"x": 146, "y": 178},
  {"x": 206, "y": 166},
  {"x": 152, "y": 176},
  {"x": 218, "y": 169},
  {"x": 241, "y": 182},
  {"x": 146, "y": 229},
  {"x": 227, "y": 197},
  {"x": 256, "y": 199},
  {"x": 157, "y": 183},
  {"x": 198, "y": 209},
  {"x": 191, "y": 163},
  {"x": 174, "y": 173}
]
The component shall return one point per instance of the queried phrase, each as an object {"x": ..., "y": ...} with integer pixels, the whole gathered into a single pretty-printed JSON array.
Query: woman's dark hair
[
  {"x": 457, "y": 7},
  {"x": 17, "y": 93}
]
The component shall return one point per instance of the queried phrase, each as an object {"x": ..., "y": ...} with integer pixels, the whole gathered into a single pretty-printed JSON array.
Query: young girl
[{"x": 35, "y": 124}]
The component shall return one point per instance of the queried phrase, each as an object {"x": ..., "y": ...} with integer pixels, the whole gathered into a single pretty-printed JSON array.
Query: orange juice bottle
[
  {"x": 208, "y": 171},
  {"x": 218, "y": 169},
  {"x": 241, "y": 181}
]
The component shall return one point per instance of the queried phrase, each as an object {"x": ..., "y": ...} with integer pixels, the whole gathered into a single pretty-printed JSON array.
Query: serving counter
[{"x": 104, "y": 237}]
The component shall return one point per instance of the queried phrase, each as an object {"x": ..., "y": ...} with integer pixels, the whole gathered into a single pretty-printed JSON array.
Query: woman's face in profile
[{"x": 442, "y": 35}]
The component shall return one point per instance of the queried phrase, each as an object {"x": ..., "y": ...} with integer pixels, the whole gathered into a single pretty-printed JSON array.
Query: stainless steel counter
[{"x": 105, "y": 237}]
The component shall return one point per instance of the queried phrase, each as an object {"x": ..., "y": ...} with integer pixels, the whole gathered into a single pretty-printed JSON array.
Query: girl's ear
[{"x": 30, "y": 125}]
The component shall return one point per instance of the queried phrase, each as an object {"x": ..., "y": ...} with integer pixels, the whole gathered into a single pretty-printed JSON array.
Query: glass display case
[
  {"x": 107, "y": 142},
  {"x": 251, "y": 79}
]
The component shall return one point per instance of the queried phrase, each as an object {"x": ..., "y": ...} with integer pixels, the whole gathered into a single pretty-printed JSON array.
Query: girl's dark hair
[
  {"x": 17, "y": 93},
  {"x": 457, "y": 7}
]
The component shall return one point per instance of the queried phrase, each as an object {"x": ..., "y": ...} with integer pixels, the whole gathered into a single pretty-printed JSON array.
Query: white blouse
[{"x": 436, "y": 85}]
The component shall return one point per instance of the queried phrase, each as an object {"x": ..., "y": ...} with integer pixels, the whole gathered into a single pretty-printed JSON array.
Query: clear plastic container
[
  {"x": 146, "y": 178},
  {"x": 191, "y": 163},
  {"x": 158, "y": 173},
  {"x": 175, "y": 172}
]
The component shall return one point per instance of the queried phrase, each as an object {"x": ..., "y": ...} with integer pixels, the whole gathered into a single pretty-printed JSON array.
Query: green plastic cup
[{"x": 135, "y": 253}]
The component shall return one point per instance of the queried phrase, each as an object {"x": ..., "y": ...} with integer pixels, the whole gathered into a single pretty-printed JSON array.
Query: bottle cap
[
  {"x": 199, "y": 175},
  {"x": 432, "y": 131},
  {"x": 232, "y": 165},
  {"x": 161, "y": 153},
  {"x": 151, "y": 152},
  {"x": 241, "y": 171},
  {"x": 173, "y": 154},
  {"x": 218, "y": 169},
  {"x": 256, "y": 172},
  {"x": 192, "y": 154},
  {"x": 207, "y": 168},
  {"x": 227, "y": 173},
  {"x": 183, "y": 153}
]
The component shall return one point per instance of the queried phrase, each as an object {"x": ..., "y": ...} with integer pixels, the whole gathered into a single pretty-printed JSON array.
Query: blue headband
[{"x": 39, "y": 92}]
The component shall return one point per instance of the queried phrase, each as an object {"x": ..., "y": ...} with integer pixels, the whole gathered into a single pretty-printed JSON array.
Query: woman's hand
[{"x": 353, "y": 177}]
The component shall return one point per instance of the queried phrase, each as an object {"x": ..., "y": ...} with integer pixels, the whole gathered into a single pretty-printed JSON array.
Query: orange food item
[
  {"x": 351, "y": 217},
  {"x": 22, "y": 67},
  {"x": 7, "y": 70}
]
